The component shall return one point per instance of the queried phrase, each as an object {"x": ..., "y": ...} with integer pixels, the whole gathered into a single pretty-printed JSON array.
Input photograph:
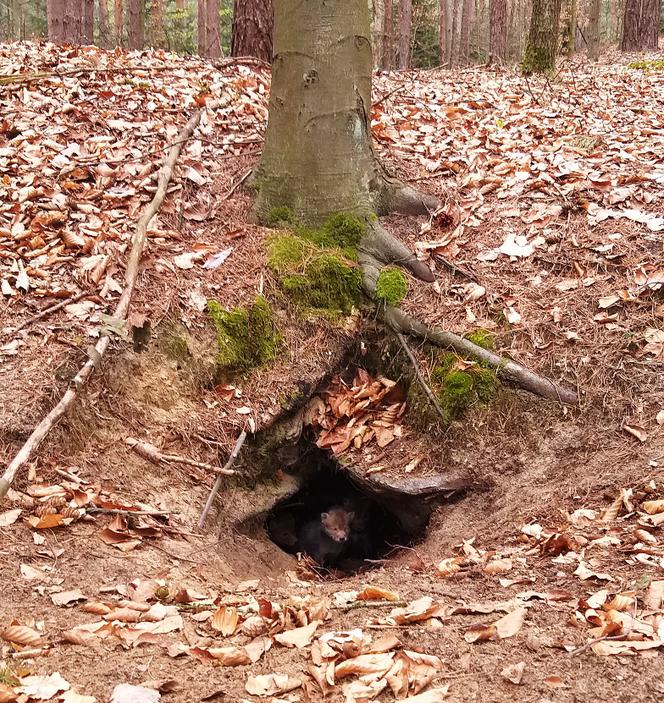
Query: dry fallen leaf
[
  {"x": 652, "y": 507},
  {"x": 126, "y": 693},
  {"x": 511, "y": 623},
  {"x": 9, "y": 517},
  {"x": 68, "y": 597},
  {"x": 636, "y": 431},
  {"x": 43, "y": 687},
  {"x": 21, "y": 634},
  {"x": 271, "y": 684},
  {"x": 376, "y": 593},
  {"x": 225, "y": 620},
  {"x": 299, "y": 637},
  {"x": 434, "y": 695},
  {"x": 73, "y": 697},
  {"x": 514, "y": 672},
  {"x": 480, "y": 632}
]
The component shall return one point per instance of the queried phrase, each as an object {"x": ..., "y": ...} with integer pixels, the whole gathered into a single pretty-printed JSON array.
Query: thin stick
[
  {"x": 238, "y": 184},
  {"x": 218, "y": 482},
  {"x": 150, "y": 452},
  {"x": 420, "y": 378},
  {"x": 131, "y": 274},
  {"x": 47, "y": 311},
  {"x": 119, "y": 511}
]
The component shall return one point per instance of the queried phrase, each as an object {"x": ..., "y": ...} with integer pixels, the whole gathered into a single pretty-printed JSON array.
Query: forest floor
[{"x": 543, "y": 581}]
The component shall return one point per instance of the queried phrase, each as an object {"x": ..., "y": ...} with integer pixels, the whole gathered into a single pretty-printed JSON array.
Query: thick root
[{"x": 395, "y": 196}]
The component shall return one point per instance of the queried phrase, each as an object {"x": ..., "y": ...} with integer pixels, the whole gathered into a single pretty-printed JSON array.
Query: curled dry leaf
[
  {"x": 123, "y": 615},
  {"x": 43, "y": 687},
  {"x": 23, "y": 635},
  {"x": 9, "y": 517},
  {"x": 645, "y": 536},
  {"x": 620, "y": 602},
  {"x": 299, "y": 637},
  {"x": 225, "y": 620},
  {"x": 225, "y": 656},
  {"x": 359, "y": 691},
  {"x": 449, "y": 567},
  {"x": 271, "y": 684},
  {"x": 636, "y": 431},
  {"x": 652, "y": 507},
  {"x": 511, "y": 623},
  {"x": 96, "y": 608},
  {"x": 377, "y": 593},
  {"x": 654, "y": 598},
  {"x": 364, "y": 664},
  {"x": 65, "y": 598},
  {"x": 254, "y": 626},
  {"x": 480, "y": 632},
  {"x": 514, "y": 672},
  {"x": 498, "y": 566}
]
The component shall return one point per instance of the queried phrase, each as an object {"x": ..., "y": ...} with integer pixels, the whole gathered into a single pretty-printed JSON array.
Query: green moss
[
  {"x": 327, "y": 282},
  {"x": 538, "y": 59},
  {"x": 483, "y": 338},
  {"x": 391, "y": 287},
  {"x": 648, "y": 64},
  {"x": 174, "y": 346},
  {"x": 8, "y": 677},
  {"x": 246, "y": 337},
  {"x": 277, "y": 215},
  {"x": 287, "y": 253},
  {"x": 340, "y": 231},
  {"x": 459, "y": 389}
]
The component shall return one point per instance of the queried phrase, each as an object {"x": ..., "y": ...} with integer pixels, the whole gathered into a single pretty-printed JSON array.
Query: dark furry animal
[{"x": 326, "y": 538}]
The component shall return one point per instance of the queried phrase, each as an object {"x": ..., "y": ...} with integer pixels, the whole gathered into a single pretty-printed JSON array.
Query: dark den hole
[{"x": 332, "y": 520}]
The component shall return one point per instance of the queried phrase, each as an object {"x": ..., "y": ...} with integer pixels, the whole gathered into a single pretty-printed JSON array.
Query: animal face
[{"x": 336, "y": 524}]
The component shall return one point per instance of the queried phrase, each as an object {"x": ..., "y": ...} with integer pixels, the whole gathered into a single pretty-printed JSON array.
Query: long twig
[
  {"x": 237, "y": 184},
  {"x": 218, "y": 482},
  {"x": 45, "y": 312},
  {"x": 420, "y": 378},
  {"x": 119, "y": 511},
  {"x": 151, "y": 453},
  {"x": 131, "y": 274}
]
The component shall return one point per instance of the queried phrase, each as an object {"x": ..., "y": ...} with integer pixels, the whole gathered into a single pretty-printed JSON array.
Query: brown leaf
[
  {"x": 271, "y": 684},
  {"x": 480, "y": 632},
  {"x": 22, "y": 634},
  {"x": 68, "y": 597},
  {"x": 299, "y": 637},
  {"x": 9, "y": 517},
  {"x": 511, "y": 623},
  {"x": 514, "y": 672},
  {"x": 652, "y": 507},
  {"x": 376, "y": 593},
  {"x": 364, "y": 664},
  {"x": 225, "y": 620},
  {"x": 7, "y": 694},
  {"x": 225, "y": 656},
  {"x": 636, "y": 431}
]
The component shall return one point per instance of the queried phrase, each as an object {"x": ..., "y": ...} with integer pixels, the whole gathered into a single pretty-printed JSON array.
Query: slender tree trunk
[
  {"x": 593, "y": 29},
  {"x": 212, "y": 28},
  {"x": 542, "y": 45},
  {"x": 72, "y": 21},
  {"x": 377, "y": 30},
  {"x": 454, "y": 39},
  {"x": 498, "y": 30},
  {"x": 641, "y": 25},
  {"x": 252, "y": 29},
  {"x": 87, "y": 22},
  {"x": 201, "y": 20},
  {"x": 104, "y": 33},
  {"x": 136, "y": 25},
  {"x": 55, "y": 10},
  {"x": 464, "y": 37},
  {"x": 118, "y": 20},
  {"x": 388, "y": 36},
  {"x": 15, "y": 17},
  {"x": 442, "y": 31},
  {"x": 405, "y": 32},
  {"x": 157, "y": 24},
  {"x": 571, "y": 27}
]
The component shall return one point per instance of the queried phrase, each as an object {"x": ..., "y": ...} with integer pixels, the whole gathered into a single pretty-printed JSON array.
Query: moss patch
[
  {"x": 648, "y": 65},
  {"x": 391, "y": 287},
  {"x": 483, "y": 338},
  {"x": 315, "y": 267},
  {"x": 246, "y": 337},
  {"x": 8, "y": 677},
  {"x": 279, "y": 215},
  {"x": 459, "y": 389}
]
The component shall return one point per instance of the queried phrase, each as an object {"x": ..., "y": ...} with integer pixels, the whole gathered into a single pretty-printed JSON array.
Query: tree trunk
[
  {"x": 135, "y": 28},
  {"x": 212, "y": 30},
  {"x": 118, "y": 19},
  {"x": 454, "y": 35},
  {"x": 15, "y": 20},
  {"x": 498, "y": 30},
  {"x": 87, "y": 22},
  {"x": 388, "y": 36},
  {"x": 55, "y": 10},
  {"x": 405, "y": 32},
  {"x": 442, "y": 31},
  {"x": 252, "y": 29},
  {"x": 542, "y": 45},
  {"x": 641, "y": 25},
  {"x": 571, "y": 27},
  {"x": 318, "y": 158},
  {"x": 201, "y": 19},
  {"x": 593, "y": 29},
  {"x": 72, "y": 21},
  {"x": 464, "y": 37},
  {"x": 158, "y": 29},
  {"x": 104, "y": 33}
]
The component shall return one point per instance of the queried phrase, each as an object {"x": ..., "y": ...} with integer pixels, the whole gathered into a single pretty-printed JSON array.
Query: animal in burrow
[{"x": 325, "y": 538}]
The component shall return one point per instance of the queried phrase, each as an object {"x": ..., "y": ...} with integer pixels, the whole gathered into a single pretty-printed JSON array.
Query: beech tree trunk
[
  {"x": 641, "y": 25},
  {"x": 15, "y": 20},
  {"x": 135, "y": 28},
  {"x": 72, "y": 21},
  {"x": 87, "y": 22},
  {"x": 405, "y": 32},
  {"x": 464, "y": 37},
  {"x": 158, "y": 28},
  {"x": 55, "y": 10},
  {"x": 542, "y": 44},
  {"x": 118, "y": 20},
  {"x": 252, "y": 29},
  {"x": 442, "y": 31},
  {"x": 318, "y": 157},
  {"x": 387, "y": 61},
  {"x": 104, "y": 33},
  {"x": 498, "y": 30},
  {"x": 593, "y": 29},
  {"x": 212, "y": 30},
  {"x": 571, "y": 27},
  {"x": 201, "y": 21},
  {"x": 377, "y": 30},
  {"x": 454, "y": 36}
]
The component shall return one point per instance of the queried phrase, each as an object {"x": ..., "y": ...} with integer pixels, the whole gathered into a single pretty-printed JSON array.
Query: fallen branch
[
  {"x": 45, "y": 312},
  {"x": 217, "y": 483},
  {"x": 118, "y": 511},
  {"x": 151, "y": 453},
  {"x": 420, "y": 378},
  {"x": 399, "y": 321},
  {"x": 131, "y": 274}
]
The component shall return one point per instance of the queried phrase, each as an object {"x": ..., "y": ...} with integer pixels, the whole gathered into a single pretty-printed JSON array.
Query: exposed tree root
[{"x": 379, "y": 247}]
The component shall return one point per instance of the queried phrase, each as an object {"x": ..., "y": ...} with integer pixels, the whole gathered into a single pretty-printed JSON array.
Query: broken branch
[
  {"x": 131, "y": 274},
  {"x": 151, "y": 453}
]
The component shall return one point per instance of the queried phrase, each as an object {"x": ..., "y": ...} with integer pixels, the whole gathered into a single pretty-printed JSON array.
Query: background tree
[
  {"x": 158, "y": 24},
  {"x": 87, "y": 21},
  {"x": 72, "y": 21},
  {"x": 498, "y": 29},
  {"x": 136, "y": 24},
  {"x": 464, "y": 36},
  {"x": 405, "y": 32},
  {"x": 118, "y": 21},
  {"x": 104, "y": 30},
  {"x": 387, "y": 61},
  {"x": 252, "y": 29},
  {"x": 542, "y": 45},
  {"x": 641, "y": 25},
  {"x": 55, "y": 10},
  {"x": 593, "y": 29},
  {"x": 213, "y": 42}
]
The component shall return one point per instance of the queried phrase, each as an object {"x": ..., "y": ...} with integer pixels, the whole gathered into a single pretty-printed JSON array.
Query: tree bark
[
  {"x": 252, "y": 29},
  {"x": 442, "y": 31},
  {"x": 454, "y": 35},
  {"x": 55, "y": 15},
  {"x": 542, "y": 45},
  {"x": 387, "y": 61},
  {"x": 72, "y": 21},
  {"x": 464, "y": 37},
  {"x": 104, "y": 32},
  {"x": 118, "y": 20},
  {"x": 571, "y": 27},
  {"x": 498, "y": 30},
  {"x": 213, "y": 40},
  {"x": 641, "y": 25},
  {"x": 15, "y": 20},
  {"x": 158, "y": 27},
  {"x": 593, "y": 29},
  {"x": 318, "y": 158},
  {"x": 201, "y": 20},
  {"x": 87, "y": 21},
  {"x": 136, "y": 26},
  {"x": 405, "y": 32}
]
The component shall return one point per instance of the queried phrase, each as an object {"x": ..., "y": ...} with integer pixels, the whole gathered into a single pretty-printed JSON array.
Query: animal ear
[
  {"x": 351, "y": 516},
  {"x": 325, "y": 516}
]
